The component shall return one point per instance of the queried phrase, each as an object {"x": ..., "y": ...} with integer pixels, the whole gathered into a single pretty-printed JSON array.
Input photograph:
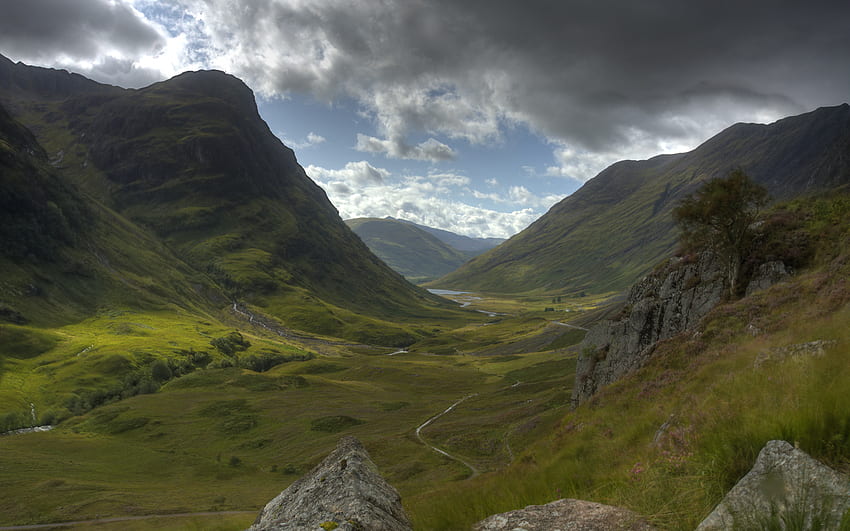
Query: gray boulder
[
  {"x": 786, "y": 489},
  {"x": 344, "y": 492},
  {"x": 565, "y": 515}
]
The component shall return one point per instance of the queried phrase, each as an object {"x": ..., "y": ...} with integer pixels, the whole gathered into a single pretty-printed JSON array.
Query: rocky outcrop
[
  {"x": 784, "y": 485},
  {"x": 811, "y": 349},
  {"x": 672, "y": 299},
  {"x": 344, "y": 492},
  {"x": 565, "y": 515},
  {"x": 660, "y": 306},
  {"x": 768, "y": 274}
]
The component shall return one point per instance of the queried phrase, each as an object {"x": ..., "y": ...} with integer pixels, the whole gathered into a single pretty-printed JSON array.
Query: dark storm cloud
[
  {"x": 47, "y": 29},
  {"x": 598, "y": 79},
  {"x": 596, "y": 75}
]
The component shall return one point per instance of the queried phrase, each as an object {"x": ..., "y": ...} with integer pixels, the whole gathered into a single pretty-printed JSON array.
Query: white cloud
[
  {"x": 362, "y": 190},
  {"x": 360, "y": 173},
  {"x": 312, "y": 140}
]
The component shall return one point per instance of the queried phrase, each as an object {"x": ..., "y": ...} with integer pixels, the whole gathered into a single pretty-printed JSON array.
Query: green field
[{"x": 224, "y": 438}]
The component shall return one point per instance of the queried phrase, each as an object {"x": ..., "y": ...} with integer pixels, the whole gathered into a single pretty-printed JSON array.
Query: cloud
[
  {"x": 430, "y": 150},
  {"x": 599, "y": 81},
  {"x": 360, "y": 173},
  {"x": 101, "y": 38},
  {"x": 312, "y": 140},
  {"x": 589, "y": 76},
  {"x": 362, "y": 190}
]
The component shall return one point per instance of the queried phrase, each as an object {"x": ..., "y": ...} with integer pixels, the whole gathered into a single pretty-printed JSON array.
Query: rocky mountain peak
[{"x": 209, "y": 84}]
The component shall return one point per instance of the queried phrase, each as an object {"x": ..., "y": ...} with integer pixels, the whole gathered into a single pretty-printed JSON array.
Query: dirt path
[
  {"x": 474, "y": 470},
  {"x": 308, "y": 341},
  {"x": 570, "y": 325},
  {"x": 59, "y": 525}
]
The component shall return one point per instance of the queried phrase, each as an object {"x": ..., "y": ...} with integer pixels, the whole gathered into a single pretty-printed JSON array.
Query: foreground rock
[
  {"x": 565, "y": 515},
  {"x": 785, "y": 485},
  {"x": 344, "y": 492}
]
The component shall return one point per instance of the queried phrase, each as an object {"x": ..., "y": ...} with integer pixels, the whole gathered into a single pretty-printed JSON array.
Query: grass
[
  {"x": 232, "y": 439},
  {"x": 229, "y": 438},
  {"x": 672, "y": 439}
]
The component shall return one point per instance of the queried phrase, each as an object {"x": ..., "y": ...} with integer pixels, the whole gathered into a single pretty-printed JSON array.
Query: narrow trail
[
  {"x": 267, "y": 324},
  {"x": 474, "y": 470},
  {"x": 59, "y": 525},
  {"x": 570, "y": 325}
]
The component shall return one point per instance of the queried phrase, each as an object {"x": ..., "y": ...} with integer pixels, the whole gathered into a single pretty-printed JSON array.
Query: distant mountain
[
  {"x": 459, "y": 241},
  {"x": 618, "y": 225},
  {"x": 190, "y": 163},
  {"x": 411, "y": 249}
]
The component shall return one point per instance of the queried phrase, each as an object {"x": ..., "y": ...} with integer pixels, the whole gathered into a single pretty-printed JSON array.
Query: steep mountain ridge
[
  {"x": 191, "y": 160},
  {"x": 65, "y": 255},
  {"x": 617, "y": 226}
]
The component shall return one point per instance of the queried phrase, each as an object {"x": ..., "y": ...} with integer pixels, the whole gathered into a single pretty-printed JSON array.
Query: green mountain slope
[
  {"x": 408, "y": 249},
  {"x": 618, "y": 225},
  {"x": 191, "y": 162},
  {"x": 460, "y": 242},
  {"x": 669, "y": 440},
  {"x": 64, "y": 256}
]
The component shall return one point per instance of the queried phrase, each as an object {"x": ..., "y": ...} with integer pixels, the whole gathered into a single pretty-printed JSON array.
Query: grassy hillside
[
  {"x": 190, "y": 163},
  {"x": 617, "y": 226},
  {"x": 671, "y": 439},
  {"x": 460, "y": 242},
  {"x": 411, "y": 251},
  {"x": 65, "y": 257}
]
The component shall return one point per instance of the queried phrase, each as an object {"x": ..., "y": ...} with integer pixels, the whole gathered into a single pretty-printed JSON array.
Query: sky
[{"x": 473, "y": 116}]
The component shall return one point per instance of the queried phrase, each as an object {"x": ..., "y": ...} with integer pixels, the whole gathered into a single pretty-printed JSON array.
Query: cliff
[{"x": 670, "y": 300}]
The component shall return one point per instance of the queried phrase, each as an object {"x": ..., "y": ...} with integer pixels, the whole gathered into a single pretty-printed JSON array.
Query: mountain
[
  {"x": 419, "y": 253},
  {"x": 64, "y": 256},
  {"x": 460, "y": 242},
  {"x": 618, "y": 225},
  {"x": 189, "y": 163}
]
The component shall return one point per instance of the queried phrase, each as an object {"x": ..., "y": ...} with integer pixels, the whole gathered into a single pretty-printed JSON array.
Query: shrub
[
  {"x": 266, "y": 360},
  {"x": 160, "y": 372},
  {"x": 231, "y": 343}
]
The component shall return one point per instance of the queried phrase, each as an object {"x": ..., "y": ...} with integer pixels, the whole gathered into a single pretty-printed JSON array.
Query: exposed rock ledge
[
  {"x": 344, "y": 492},
  {"x": 662, "y": 304},
  {"x": 785, "y": 484},
  {"x": 659, "y": 306},
  {"x": 565, "y": 515}
]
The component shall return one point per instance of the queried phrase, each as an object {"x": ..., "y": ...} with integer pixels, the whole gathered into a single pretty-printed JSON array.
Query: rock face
[
  {"x": 785, "y": 485},
  {"x": 344, "y": 492},
  {"x": 768, "y": 274},
  {"x": 565, "y": 515},
  {"x": 659, "y": 306}
]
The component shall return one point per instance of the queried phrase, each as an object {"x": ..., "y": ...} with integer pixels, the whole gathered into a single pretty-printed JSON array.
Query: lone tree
[{"x": 720, "y": 218}]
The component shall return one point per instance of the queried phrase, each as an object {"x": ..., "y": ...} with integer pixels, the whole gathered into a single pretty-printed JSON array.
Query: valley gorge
[{"x": 209, "y": 340}]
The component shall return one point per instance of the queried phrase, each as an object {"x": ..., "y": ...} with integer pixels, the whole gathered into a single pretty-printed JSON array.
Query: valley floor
[{"x": 227, "y": 438}]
